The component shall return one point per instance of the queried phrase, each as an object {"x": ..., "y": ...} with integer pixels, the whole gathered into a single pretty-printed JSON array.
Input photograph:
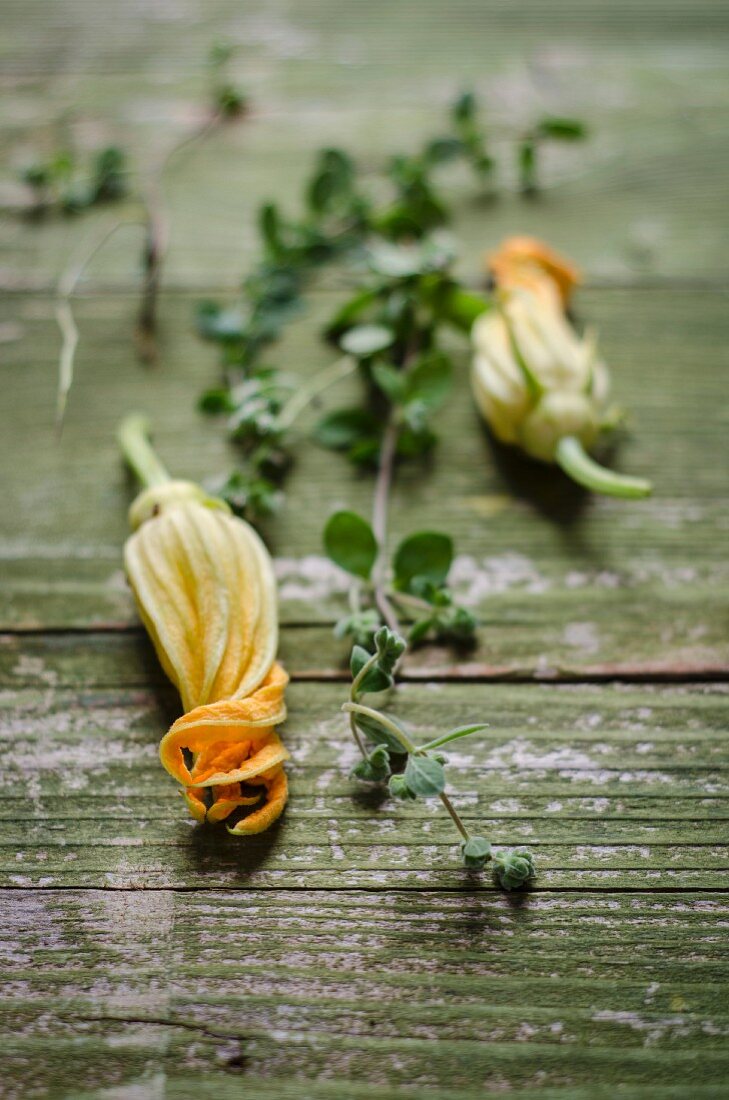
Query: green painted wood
[
  {"x": 562, "y": 582},
  {"x": 504, "y": 651},
  {"x": 613, "y": 786},
  {"x": 344, "y": 952},
  {"x": 644, "y": 199},
  {"x": 322, "y": 994}
]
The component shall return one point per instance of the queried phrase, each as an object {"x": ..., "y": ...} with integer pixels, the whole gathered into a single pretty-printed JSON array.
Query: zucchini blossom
[
  {"x": 539, "y": 384},
  {"x": 204, "y": 586}
]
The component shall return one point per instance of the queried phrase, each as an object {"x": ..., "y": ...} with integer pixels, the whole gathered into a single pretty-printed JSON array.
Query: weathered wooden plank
[
  {"x": 85, "y": 802},
  {"x": 360, "y": 976},
  {"x": 560, "y": 581},
  {"x": 332, "y": 992},
  {"x": 643, "y": 199},
  {"x": 505, "y": 651}
]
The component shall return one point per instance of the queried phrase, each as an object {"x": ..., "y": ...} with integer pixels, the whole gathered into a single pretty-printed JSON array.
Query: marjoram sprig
[
  {"x": 343, "y": 217},
  {"x": 392, "y": 328},
  {"x": 411, "y": 772}
]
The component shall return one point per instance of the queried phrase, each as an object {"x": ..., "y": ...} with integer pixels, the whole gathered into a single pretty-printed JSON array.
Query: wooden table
[{"x": 346, "y": 951}]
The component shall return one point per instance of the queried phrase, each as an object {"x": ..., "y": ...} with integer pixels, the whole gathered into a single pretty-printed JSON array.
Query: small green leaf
[
  {"x": 390, "y": 648},
  {"x": 417, "y": 440},
  {"x": 562, "y": 129},
  {"x": 331, "y": 182},
  {"x": 365, "y": 452},
  {"x": 464, "y": 109},
  {"x": 455, "y": 735},
  {"x": 269, "y": 223},
  {"x": 442, "y": 150},
  {"x": 427, "y": 554},
  {"x": 216, "y": 401},
  {"x": 364, "y": 340},
  {"x": 350, "y": 542},
  {"x": 430, "y": 379},
  {"x": 375, "y": 767},
  {"x": 380, "y": 735},
  {"x": 376, "y": 679},
  {"x": 399, "y": 788},
  {"x": 514, "y": 867},
  {"x": 391, "y": 381},
  {"x": 424, "y": 775},
  {"x": 419, "y": 631},
  {"x": 321, "y": 191},
  {"x": 461, "y": 308},
  {"x": 351, "y": 311},
  {"x": 345, "y": 428},
  {"x": 476, "y": 852},
  {"x": 225, "y": 326},
  {"x": 527, "y": 159}
]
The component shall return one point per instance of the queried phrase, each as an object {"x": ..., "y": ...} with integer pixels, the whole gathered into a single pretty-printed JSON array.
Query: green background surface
[{"x": 344, "y": 952}]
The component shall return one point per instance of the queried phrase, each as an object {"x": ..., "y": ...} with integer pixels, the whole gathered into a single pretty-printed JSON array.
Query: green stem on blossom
[
  {"x": 575, "y": 462},
  {"x": 139, "y": 453}
]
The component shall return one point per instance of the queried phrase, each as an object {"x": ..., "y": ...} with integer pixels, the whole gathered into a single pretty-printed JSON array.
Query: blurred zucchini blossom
[{"x": 539, "y": 384}]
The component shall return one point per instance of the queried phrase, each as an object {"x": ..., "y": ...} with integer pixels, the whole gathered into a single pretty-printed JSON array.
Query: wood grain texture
[
  {"x": 345, "y": 954},
  {"x": 643, "y": 200},
  {"x": 560, "y": 580},
  {"x": 323, "y": 994},
  {"x": 613, "y": 787}
]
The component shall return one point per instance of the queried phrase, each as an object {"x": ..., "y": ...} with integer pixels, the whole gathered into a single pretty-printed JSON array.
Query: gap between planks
[
  {"x": 518, "y": 898},
  {"x": 130, "y": 289},
  {"x": 464, "y": 673}
]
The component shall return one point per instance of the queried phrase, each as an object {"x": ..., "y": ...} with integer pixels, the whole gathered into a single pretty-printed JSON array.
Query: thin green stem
[
  {"x": 67, "y": 284},
  {"x": 455, "y": 816},
  {"x": 407, "y": 744},
  {"x": 360, "y": 677},
  {"x": 383, "y": 486},
  {"x": 575, "y": 462},
  {"x": 321, "y": 381},
  {"x": 454, "y": 735},
  {"x": 382, "y": 720},
  {"x": 355, "y": 734},
  {"x": 157, "y": 234},
  {"x": 138, "y": 451},
  {"x": 355, "y": 602},
  {"x": 407, "y": 600}
]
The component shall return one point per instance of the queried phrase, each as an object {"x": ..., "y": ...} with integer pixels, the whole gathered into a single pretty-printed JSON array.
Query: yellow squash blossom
[
  {"x": 531, "y": 264},
  {"x": 204, "y": 585},
  {"x": 538, "y": 384}
]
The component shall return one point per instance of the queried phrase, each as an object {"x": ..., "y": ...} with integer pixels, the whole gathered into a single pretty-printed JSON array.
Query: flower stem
[
  {"x": 157, "y": 234},
  {"x": 67, "y": 284},
  {"x": 381, "y": 501},
  {"x": 382, "y": 720},
  {"x": 139, "y": 453},
  {"x": 455, "y": 816},
  {"x": 356, "y": 736},
  {"x": 369, "y": 712},
  {"x": 575, "y": 462},
  {"x": 407, "y": 600}
]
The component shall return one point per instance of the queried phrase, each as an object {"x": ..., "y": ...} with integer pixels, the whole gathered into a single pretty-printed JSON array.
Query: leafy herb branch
[
  {"x": 411, "y": 771},
  {"x": 392, "y": 327},
  {"x": 391, "y": 243}
]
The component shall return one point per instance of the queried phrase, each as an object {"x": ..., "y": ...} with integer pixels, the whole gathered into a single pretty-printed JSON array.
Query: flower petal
[{"x": 276, "y": 796}]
